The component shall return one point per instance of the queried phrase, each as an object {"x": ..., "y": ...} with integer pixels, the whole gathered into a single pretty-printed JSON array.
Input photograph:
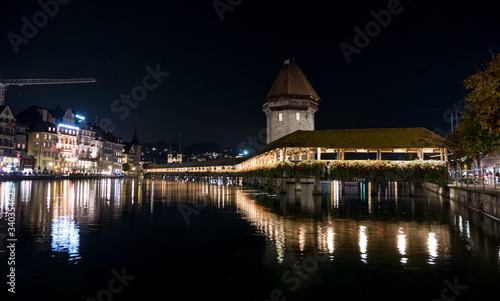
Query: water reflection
[
  {"x": 402, "y": 245},
  {"x": 57, "y": 211},
  {"x": 363, "y": 244},
  {"x": 66, "y": 236},
  {"x": 432, "y": 245},
  {"x": 336, "y": 224},
  {"x": 346, "y": 223}
]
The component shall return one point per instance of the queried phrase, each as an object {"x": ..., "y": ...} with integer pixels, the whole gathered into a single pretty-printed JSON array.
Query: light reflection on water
[
  {"x": 366, "y": 225},
  {"x": 329, "y": 224},
  {"x": 294, "y": 228},
  {"x": 66, "y": 237},
  {"x": 402, "y": 245},
  {"x": 363, "y": 244},
  {"x": 432, "y": 245},
  {"x": 64, "y": 206}
]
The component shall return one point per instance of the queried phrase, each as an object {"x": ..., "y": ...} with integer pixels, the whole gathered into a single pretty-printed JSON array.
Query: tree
[
  {"x": 125, "y": 167},
  {"x": 480, "y": 128}
]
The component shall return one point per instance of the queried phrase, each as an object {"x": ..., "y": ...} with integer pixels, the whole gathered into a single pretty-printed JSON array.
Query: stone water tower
[{"x": 290, "y": 104}]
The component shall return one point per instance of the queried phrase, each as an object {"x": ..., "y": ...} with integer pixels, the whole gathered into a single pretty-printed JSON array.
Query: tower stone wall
[{"x": 290, "y": 104}]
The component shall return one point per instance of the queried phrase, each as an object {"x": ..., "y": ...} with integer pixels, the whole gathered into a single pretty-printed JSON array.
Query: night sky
[{"x": 408, "y": 75}]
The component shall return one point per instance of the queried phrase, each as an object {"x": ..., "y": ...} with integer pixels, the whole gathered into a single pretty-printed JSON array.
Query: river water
[{"x": 125, "y": 239}]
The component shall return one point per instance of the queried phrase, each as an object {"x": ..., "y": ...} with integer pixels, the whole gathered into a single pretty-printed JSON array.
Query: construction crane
[{"x": 4, "y": 83}]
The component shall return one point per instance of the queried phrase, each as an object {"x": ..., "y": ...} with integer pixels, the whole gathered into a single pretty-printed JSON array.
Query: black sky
[{"x": 409, "y": 75}]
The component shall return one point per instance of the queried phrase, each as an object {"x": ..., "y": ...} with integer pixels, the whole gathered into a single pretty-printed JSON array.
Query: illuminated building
[
  {"x": 26, "y": 163},
  {"x": 111, "y": 154},
  {"x": 42, "y": 138},
  {"x": 89, "y": 149},
  {"x": 8, "y": 159},
  {"x": 68, "y": 132}
]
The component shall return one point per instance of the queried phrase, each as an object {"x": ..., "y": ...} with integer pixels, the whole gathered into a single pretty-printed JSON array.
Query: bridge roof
[
  {"x": 208, "y": 163},
  {"x": 292, "y": 83},
  {"x": 377, "y": 138}
]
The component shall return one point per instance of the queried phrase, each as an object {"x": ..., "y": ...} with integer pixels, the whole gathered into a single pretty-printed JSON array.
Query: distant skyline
[{"x": 202, "y": 68}]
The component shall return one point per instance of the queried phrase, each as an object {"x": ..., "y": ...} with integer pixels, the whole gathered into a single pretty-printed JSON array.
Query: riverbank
[
  {"x": 5, "y": 178},
  {"x": 486, "y": 201}
]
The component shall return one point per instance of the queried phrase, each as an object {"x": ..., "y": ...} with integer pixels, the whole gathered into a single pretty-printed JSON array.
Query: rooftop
[
  {"x": 377, "y": 138},
  {"x": 291, "y": 83}
]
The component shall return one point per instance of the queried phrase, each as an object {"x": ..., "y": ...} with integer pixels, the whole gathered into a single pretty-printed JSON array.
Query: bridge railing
[{"x": 428, "y": 171}]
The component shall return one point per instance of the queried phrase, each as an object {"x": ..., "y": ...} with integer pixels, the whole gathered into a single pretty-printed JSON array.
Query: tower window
[
  {"x": 297, "y": 116},
  {"x": 280, "y": 116}
]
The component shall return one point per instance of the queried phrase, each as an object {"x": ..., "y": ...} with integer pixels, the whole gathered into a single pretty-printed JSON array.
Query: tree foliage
[
  {"x": 459, "y": 153},
  {"x": 125, "y": 167},
  {"x": 480, "y": 128}
]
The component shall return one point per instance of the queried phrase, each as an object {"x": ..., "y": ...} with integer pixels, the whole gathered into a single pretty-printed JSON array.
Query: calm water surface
[{"x": 199, "y": 241}]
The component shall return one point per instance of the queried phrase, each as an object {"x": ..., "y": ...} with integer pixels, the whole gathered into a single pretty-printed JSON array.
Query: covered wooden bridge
[{"x": 391, "y": 144}]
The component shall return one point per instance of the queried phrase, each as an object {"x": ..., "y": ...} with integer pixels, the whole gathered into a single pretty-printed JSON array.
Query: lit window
[
  {"x": 297, "y": 116},
  {"x": 45, "y": 136},
  {"x": 280, "y": 116},
  {"x": 37, "y": 136},
  {"x": 50, "y": 129}
]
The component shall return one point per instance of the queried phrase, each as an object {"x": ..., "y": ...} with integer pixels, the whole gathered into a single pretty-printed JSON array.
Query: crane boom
[{"x": 4, "y": 83}]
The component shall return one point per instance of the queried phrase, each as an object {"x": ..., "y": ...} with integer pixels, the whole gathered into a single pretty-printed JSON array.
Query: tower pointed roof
[
  {"x": 291, "y": 83},
  {"x": 135, "y": 138}
]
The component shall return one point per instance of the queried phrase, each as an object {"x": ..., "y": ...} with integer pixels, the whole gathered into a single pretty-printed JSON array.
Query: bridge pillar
[
  {"x": 317, "y": 186},
  {"x": 411, "y": 188},
  {"x": 420, "y": 154},
  {"x": 298, "y": 185},
  {"x": 271, "y": 184},
  {"x": 340, "y": 154},
  {"x": 282, "y": 185},
  {"x": 262, "y": 182},
  {"x": 306, "y": 191},
  {"x": 290, "y": 188}
]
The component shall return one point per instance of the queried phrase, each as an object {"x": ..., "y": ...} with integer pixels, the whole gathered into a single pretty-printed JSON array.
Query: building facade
[
  {"x": 26, "y": 162},
  {"x": 132, "y": 154},
  {"x": 88, "y": 149},
  {"x": 111, "y": 152},
  {"x": 42, "y": 138},
  {"x": 43, "y": 147},
  {"x": 8, "y": 158}
]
